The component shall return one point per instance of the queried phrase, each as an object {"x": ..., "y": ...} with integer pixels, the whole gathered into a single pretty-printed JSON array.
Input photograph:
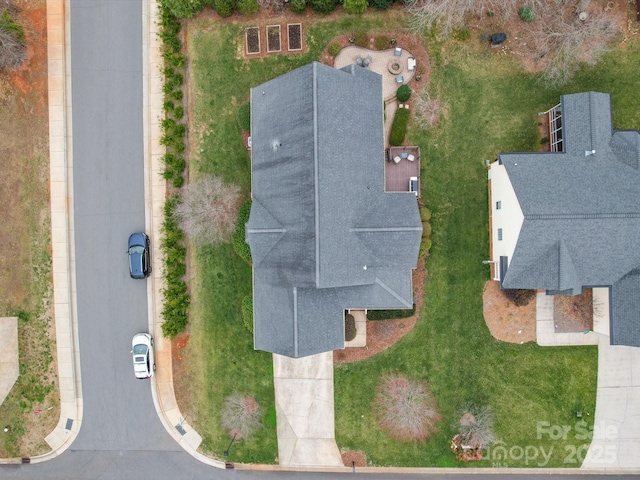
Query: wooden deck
[{"x": 397, "y": 175}]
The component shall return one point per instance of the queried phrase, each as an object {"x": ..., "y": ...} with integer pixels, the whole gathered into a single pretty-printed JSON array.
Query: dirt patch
[
  {"x": 506, "y": 321},
  {"x": 25, "y": 277},
  {"x": 354, "y": 459},
  {"x": 382, "y": 334}
]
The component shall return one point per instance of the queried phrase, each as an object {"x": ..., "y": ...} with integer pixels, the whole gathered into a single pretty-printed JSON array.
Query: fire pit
[{"x": 394, "y": 66}]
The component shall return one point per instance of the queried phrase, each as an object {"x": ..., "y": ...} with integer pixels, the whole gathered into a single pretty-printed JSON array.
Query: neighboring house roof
[
  {"x": 582, "y": 213},
  {"x": 324, "y": 235}
]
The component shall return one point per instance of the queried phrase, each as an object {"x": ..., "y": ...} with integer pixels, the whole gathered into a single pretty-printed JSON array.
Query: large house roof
[
  {"x": 324, "y": 235},
  {"x": 582, "y": 212}
]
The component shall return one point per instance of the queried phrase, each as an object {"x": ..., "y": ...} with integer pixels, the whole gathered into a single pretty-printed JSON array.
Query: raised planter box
[
  {"x": 273, "y": 38},
  {"x": 252, "y": 40},
  {"x": 294, "y": 34}
]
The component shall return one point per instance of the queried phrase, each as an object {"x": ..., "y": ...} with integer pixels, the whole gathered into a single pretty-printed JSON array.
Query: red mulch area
[{"x": 382, "y": 334}]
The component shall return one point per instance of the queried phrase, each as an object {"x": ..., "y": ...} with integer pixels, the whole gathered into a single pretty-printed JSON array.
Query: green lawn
[{"x": 491, "y": 107}]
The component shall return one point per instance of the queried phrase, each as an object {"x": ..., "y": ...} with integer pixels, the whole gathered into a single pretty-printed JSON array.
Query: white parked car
[{"x": 144, "y": 363}]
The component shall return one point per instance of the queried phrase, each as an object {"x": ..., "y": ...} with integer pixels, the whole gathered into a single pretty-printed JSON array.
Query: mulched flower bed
[
  {"x": 273, "y": 38},
  {"x": 295, "y": 36},
  {"x": 252, "y": 36}
]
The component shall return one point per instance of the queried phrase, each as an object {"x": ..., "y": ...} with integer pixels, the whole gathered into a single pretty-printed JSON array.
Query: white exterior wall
[
  {"x": 509, "y": 218},
  {"x": 601, "y": 310}
]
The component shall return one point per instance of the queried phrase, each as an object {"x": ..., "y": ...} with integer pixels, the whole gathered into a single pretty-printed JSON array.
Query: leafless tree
[
  {"x": 405, "y": 408},
  {"x": 475, "y": 425},
  {"x": 241, "y": 415},
  {"x": 564, "y": 41},
  {"x": 428, "y": 110},
  {"x": 448, "y": 15},
  {"x": 207, "y": 210},
  {"x": 12, "y": 52}
]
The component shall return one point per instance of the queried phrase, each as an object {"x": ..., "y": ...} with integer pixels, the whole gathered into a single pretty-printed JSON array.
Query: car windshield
[
  {"x": 136, "y": 249},
  {"x": 140, "y": 349}
]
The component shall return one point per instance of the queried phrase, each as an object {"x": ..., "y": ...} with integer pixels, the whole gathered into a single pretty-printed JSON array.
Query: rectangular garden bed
[
  {"x": 294, "y": 34},
  {"x": 252, "y": 40},
  {"x": 273, "y": 38}
]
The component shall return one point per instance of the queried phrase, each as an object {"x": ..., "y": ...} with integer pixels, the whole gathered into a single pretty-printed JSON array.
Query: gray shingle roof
[
  {"x": 323, "y": 234},
  {"x": 581, "y": 212}
]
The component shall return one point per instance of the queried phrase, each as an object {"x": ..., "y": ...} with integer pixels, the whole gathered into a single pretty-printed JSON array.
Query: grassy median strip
[{"x": 490, "y": 106}]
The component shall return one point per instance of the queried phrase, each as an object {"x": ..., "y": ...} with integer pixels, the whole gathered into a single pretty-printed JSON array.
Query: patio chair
[
  {"x": 411, "y": 157},
  {"x": 396, "y": 159},
  {"x": 397, "y": 51},
  {"x": 399, "y": 79}
]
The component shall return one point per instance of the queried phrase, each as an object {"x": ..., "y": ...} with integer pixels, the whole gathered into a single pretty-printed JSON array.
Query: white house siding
[
  {"x": 509, "y": 217},
  {"x": 601, "y": 310}
]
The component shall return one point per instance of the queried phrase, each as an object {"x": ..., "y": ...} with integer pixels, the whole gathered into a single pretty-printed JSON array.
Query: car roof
[{"x": 138, "y": 238}]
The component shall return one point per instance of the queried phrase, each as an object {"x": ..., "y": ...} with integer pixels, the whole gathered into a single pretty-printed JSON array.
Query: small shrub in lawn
[
  {"x": 178, "y": 112},
  {"x": 425, "y": 246},
  {"x": 247, "y": 312},
  {"x": 527, "y": 13},
  {"x": 405, "y": 408},
  {"x": 241, "y": 415},
  {"x": 224, "y": 7},
  {"x": 474, "y": 425},
  {"x": 243, "y": 116},
  {"x": 184, "y": 8},
  {"x": 168, "y": 106},
  {"x": 519, "y": 296},
  {"x": 177, "y": 181},
  {"x": 382, "y": 42},
  {"x": 355, "y": 6},
  {"x": 349, "y": 327},
  {"x": 298, "y": 6},
  {"x": 380, "y": 4},
  {"x": 399, "y": 127},
  {"x": 403, "y": 93},
  {"x": 362, "y": 39},
  {"x": 239, "y": 244},
  {"x": 323, "y": 6},
  {"x": 390, "y": 314},
  {"x": 177, "y": 95},
  {"x": 334, "y": 49},
  {"x": 425, "y": 214},
  {"x": 248, "y": 7}
]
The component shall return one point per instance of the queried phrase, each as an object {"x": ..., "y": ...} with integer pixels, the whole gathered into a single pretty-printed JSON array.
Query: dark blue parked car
[{"x": 139, "y": 264}]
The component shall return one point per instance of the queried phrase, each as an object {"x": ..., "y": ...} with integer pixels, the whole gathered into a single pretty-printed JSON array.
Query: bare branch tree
[
  {"x": 241, "y": 415},
  {"x": 405, "y": 408},
  {"x": 564, "y": 41},
  {"x": 449, "y": 15},
  {"x": 428, "y": 110},
  {"x": 207, "y": 210}
]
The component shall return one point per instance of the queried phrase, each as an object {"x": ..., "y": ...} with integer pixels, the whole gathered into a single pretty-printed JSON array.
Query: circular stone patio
[{"x": 381, "y": 62}]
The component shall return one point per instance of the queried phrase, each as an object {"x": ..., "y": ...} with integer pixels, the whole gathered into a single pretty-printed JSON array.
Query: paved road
[{"x": 106, "y": 61}]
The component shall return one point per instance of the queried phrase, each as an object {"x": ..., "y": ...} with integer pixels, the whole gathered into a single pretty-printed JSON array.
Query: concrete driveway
[{"x": 616, "y": 439}]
